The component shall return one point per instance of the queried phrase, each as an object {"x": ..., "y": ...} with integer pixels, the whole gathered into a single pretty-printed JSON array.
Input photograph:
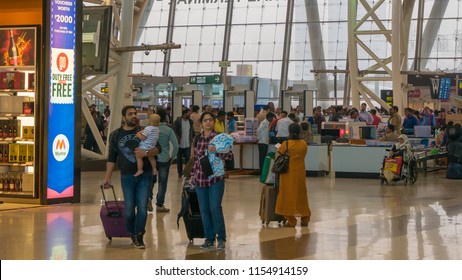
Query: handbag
[
  {"x": 206, "y": 166},
  {"x": 229, "y": 164},
  {"x": 281, "y": 164}
]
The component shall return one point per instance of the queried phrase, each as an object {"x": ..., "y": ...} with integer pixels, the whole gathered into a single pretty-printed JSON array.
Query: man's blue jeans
[
  {"x": 136, "y": 193},
  {"x": 210, "y": 199},
  {"x": 182, "y": 152},
  {"x": 163, "y": 169}
]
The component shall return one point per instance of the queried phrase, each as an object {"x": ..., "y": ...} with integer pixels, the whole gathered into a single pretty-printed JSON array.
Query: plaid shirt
[{"x": 199, "y": 151}]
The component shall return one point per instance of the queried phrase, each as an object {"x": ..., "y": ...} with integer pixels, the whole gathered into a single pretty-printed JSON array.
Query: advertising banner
[
  {"x": 61, "y": 108},
  {"x": 445, "y": 89}
]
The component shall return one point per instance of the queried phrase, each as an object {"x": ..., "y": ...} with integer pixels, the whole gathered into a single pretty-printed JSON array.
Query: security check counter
[
  {"x": 358, "y": 161},
  {"x": 246, "y": 158}
]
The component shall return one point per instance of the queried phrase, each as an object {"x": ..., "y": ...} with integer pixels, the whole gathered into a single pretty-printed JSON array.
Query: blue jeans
[
  {"x": 163, "y": 169},
  {"x": 210, "y": 199},
  {"x": 186, "y": 152},
  {"x": 136, "y": 192}
]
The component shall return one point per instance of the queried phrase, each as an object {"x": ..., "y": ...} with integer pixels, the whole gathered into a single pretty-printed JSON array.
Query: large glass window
[{"x": 257, "y": 38}]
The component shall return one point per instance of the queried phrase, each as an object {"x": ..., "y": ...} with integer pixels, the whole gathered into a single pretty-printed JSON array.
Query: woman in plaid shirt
[{"x": 209, "y": 191}]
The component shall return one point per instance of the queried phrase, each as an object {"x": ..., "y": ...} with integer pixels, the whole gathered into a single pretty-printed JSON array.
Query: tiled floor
[{"x": 352, "y": 219}]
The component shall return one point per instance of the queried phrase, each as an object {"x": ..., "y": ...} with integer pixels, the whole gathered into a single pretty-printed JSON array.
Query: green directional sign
[{"x": 212, "y": 79}]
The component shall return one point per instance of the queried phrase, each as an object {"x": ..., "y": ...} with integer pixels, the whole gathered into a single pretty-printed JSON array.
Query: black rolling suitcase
[
  {"x": 190, "y": 213},
  {"x": 112, "y": 215}
]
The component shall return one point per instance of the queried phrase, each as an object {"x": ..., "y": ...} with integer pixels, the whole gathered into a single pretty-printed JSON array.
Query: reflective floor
[{"x": 352, "y": 219}]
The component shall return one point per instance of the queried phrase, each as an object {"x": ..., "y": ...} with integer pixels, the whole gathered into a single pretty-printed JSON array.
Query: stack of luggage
[{"x": 269, "y": 193}]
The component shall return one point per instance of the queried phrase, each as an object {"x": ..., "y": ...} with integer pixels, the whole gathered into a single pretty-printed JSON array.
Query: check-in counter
[
  {"x": 350, "y": 161},
  {"x": 317, "y": 160},
  {"x": 246, "y": 155}
]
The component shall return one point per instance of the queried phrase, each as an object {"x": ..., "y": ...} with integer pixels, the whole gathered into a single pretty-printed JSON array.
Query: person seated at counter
[
  {"x": 390, "y": 133},
  {"x": 338, "y": 114},
  {"x": 354, "y": 115},
  {"x": 409, "y": 120},
  {"x": 306, "y": 133}
]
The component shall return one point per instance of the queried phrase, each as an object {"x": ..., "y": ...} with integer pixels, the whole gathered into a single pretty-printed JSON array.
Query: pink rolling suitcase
[{"x": 113, "y": 216}]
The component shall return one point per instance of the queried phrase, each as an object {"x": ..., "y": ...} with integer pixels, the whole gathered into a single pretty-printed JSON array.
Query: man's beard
[{"x": 132, "y": 123}]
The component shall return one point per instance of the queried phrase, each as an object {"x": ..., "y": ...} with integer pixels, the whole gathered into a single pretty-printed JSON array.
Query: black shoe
[
  {"x": 133, "y": 238},
  {"x": 208, "y": 244},
  {"x": 139, "y": 243}
]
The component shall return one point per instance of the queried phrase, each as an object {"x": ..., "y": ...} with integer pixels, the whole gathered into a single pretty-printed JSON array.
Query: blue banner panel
[
  {"x": 61, "y": 108},
  {"x": 445, "y": 88}
]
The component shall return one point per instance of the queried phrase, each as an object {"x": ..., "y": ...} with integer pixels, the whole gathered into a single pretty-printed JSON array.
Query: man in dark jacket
[{"x": 184, "y": 130}]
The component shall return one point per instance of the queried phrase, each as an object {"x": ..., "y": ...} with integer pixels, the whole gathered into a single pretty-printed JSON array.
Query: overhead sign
[
  {"x": 387, "y": 96},
  {"x": 104, "y": 89},
  {"x": 224, "y": 64},
  {"x": 198, "y": 80}
]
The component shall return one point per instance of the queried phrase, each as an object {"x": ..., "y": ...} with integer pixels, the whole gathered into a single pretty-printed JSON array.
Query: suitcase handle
[{"x": 109, "y": 213}]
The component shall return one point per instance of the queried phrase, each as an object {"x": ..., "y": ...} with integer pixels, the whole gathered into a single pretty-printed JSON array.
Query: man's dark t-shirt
[{"x": 121, "y": 145}]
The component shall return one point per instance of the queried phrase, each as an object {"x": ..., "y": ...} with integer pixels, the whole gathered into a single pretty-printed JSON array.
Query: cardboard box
[
  {"x": 28, "y": 182},
  {"x": 22, "y": 153},
  {"x": 17, "y": 104},
  {"x": 31, "y": 81},
  {"x": 12, "y": 80},
  {"x": 27, "y": 132},
  {"x": 13, "y": 153},
  {"x": 6, "y": 103},
  {"x": 30, "y": 153}
]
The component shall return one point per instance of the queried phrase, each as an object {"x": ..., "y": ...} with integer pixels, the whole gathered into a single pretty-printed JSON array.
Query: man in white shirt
[
  {"x": 282, "y": 127},
  {"x": 263, "y": 138},
  {"x": 364, "y": 115},
  {"x": 184, "y": 130}
]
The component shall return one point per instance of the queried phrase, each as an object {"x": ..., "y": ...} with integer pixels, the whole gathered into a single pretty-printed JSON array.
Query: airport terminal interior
[
  {"x": 352, "y": 219},
  {"x": 356, "y": 74}
]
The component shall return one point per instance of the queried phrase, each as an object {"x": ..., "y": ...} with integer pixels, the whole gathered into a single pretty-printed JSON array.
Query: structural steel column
[
  {"x": 353, "y": 53},
  {"x": 286, "y": 50},
  {"x": 418, "y": 37},
  {"x": 431, "y": 30},
  {"x": 226, "y": 40},
  {"x": 396, "y": 19},
  {"x": 317, "y": 50},
  {"x": 125, "y": 61},
  {"x": 171, "y": 23}
]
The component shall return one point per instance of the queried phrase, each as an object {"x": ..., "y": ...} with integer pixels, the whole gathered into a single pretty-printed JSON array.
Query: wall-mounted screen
[{"x": 95, "y": 39}]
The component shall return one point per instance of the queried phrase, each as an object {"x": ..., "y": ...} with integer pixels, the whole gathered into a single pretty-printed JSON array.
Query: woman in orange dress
[{"x": 292, "y": 199}]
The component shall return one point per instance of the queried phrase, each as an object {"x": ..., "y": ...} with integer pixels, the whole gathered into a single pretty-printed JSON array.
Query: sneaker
[
  {"x": 208, "y": 244},
  {"x": 133, "y": 238},
  {"x": 221, "y": 245},
  {"x": 149, "y": 206},
  {"x": 162, "y": 209},
  {"x": 139, "y": 243}
]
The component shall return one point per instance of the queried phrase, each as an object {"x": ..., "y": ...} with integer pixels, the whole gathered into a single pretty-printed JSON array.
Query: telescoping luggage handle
[{"x": 109, "y": 213}]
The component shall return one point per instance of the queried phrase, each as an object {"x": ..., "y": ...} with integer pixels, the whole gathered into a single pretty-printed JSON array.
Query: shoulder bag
[{"x": 281, "y": 164}]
